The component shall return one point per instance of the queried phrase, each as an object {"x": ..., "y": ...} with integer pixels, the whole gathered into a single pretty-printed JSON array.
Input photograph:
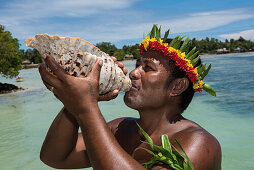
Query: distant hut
[
  {"x": 128, "y": 57},
  {"x": 222, "y": 51},
  {"x": 237, "y": 50},
  {"x": 26, "y": 62}
]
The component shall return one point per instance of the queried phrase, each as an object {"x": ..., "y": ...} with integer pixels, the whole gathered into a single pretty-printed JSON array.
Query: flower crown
[{"x": 184, "y": 59}]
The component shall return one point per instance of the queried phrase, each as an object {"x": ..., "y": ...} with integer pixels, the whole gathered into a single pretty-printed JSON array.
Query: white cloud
[
  {"x": 28, "y": 10},
  {"x": 207, "y": 20},
  {"x": 104, "y": 20},
  {"x": 247, "y": 34}
]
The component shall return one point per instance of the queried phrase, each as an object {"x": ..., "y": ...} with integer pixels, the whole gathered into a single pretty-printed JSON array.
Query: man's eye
[{"x": 148, "y": 68}]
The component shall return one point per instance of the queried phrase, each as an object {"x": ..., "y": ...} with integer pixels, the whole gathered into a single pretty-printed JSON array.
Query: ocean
[{"x": 26, "y": 116}]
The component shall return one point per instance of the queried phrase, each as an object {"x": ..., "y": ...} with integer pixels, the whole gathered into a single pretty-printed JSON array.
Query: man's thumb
[{"x": 97, "y": 68}]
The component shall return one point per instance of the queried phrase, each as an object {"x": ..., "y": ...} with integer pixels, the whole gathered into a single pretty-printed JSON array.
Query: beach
[{"x": 27, "y": 115}]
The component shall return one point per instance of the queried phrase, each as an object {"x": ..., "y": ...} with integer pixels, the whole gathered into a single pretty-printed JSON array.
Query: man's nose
[{"x": 135, "y": 74}]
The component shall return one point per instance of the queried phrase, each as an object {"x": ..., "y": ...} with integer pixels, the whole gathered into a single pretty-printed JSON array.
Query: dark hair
[{"x": 188, "y": 94}]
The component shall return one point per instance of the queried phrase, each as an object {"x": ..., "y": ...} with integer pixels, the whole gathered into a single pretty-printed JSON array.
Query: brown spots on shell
[{"x": 75, "y": 74}]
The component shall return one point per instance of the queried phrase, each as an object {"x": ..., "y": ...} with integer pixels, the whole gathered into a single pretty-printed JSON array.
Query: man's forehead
[{"x": 154, "y": 56}]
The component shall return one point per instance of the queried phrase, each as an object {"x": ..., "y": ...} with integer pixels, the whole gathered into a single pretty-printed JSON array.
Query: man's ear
[{"x": 178, "y": 86}]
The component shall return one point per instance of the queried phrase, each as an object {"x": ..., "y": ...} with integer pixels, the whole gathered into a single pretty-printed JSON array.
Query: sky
[{"x": 125, "y": 22}]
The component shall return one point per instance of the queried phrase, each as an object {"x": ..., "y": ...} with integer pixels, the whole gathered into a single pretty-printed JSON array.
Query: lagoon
[{"x": 26, "y": 116}]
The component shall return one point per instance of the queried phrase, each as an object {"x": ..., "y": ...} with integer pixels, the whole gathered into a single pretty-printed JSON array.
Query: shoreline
[
  {"x": 213, "y": 54},
  {"x": 7, "y": 88}
]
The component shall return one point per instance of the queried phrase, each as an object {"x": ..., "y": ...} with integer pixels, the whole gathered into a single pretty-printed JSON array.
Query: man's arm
[
  {"x": 80, "y": 97},
  {"x": 63, "y": 147}
]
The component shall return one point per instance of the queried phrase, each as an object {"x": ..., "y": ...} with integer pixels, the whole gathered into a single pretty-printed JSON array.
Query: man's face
[{"x": 149, "y": 82}]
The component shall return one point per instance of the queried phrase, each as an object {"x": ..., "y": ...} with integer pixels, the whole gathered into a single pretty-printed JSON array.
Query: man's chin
[{"x": 130, "y": 100}]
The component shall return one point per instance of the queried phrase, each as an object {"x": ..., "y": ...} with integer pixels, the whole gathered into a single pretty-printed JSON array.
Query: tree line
[
  {"x": 11, "y": 56},
  {"x": 207, "y": 45},
  {"x": 210, "y": 45}
]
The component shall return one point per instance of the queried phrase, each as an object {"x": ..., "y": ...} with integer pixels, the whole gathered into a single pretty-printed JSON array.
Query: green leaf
[
  {"x": 178, "y": 43},
  {"x": 186, "y": 45},
  {"x": 147, "y": 150},
  {"x": 201, "y": 68},
  {"x": 193, "y": 56},
  {"x": 165, "y": 142},
  {"x": 209, "y": 89},
  {"x": 195, "y": 61},
  {"x": 150, "y": 164},
  {"x": 190, "y": 53},
  {"x": 165, "y": 36},
  {"x": 158, "y": 33},
  {"x": 190, "y": 166},
  {"x": 149, "y": 140},
  {"x": 174, "y": 41},
  {"x": 152, "y": 33},
  {"x": 165, "y": 152},
  {"x": 205, "y": 72}
]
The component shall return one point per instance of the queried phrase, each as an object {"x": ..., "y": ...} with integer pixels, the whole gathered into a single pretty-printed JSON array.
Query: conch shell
[{"x": 78, "y": 57}]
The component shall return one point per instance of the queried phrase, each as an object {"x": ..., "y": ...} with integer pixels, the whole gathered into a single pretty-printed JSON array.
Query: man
[{"x": 160, "y": 91}]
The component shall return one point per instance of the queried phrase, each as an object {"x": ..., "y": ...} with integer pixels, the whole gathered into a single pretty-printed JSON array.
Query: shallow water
[{"x": 26, "y": 116}]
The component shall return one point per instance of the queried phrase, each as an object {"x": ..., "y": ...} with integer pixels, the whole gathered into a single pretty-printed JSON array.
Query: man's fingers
[
  {"x": 114, "y": 59},
  {"x": 55, "y": 67},
  {"x": 51, "y": 88},
  {"x": 47, "y": 77},
  {"x": 125, "y": 71},
  {"x": 109, "y": 96},
  {"x": 120, "y": 64},
  {"x": 96, "y": 69}
]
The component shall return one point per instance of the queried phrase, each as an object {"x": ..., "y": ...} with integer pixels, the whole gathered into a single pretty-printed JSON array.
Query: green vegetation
[
  {"x": 30, "y": 54},
  {"x": 208, "y": 45},
  {"x": 165, "y": 154},
  {"x": 111, "y": 49},
  {"x": 10, "y": 60},
  {"x": 211, "y": 45}
]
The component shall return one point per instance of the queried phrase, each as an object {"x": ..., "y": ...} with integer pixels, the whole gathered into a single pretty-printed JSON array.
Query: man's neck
[{"x": 152, "y": 120}]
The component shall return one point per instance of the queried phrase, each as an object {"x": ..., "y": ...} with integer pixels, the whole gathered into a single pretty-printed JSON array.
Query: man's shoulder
[
  {"x": 197, "y": 134},
  {"x": 121, "y": 122},
  {"x": 202, "y": 147}
]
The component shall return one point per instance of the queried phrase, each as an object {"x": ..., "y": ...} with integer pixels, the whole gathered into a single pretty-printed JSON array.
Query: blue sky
[{"x": 124, "y": 22}]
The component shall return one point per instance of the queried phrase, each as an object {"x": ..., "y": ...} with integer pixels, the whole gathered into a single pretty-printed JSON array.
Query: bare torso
[{"x": 196, "y": 141}]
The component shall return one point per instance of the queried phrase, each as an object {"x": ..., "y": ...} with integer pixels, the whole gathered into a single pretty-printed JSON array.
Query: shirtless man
[{"x": 156, "y": 93}]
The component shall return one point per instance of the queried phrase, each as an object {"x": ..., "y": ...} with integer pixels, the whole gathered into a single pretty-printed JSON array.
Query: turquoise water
[{"x": 26, "y": 116}]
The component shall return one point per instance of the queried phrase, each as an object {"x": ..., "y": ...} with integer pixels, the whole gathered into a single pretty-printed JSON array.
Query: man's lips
[{"x": 135, "y": 86}]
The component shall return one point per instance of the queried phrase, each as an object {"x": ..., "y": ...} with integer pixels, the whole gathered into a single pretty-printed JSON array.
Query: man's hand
[
  {"x": 77, "y": 94},
  {"x": 105, "y": 97}
]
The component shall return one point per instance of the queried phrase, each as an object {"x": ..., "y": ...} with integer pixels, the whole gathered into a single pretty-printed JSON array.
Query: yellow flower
[
  {"x": 201, "y": 84},
  {"x": 153, "y": 39},
  {"x": 195, "y": 70},
  {"x": 183, "y": 55},
  {"x": 161, "y": 41},
  {"x": 195, "y": 86},
  {"x": 146, "y": 44},
  {"x": 165, "y": 44}
]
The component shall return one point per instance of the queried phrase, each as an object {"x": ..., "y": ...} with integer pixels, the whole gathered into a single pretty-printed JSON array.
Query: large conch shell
[{"x": 78, "y": 56}]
